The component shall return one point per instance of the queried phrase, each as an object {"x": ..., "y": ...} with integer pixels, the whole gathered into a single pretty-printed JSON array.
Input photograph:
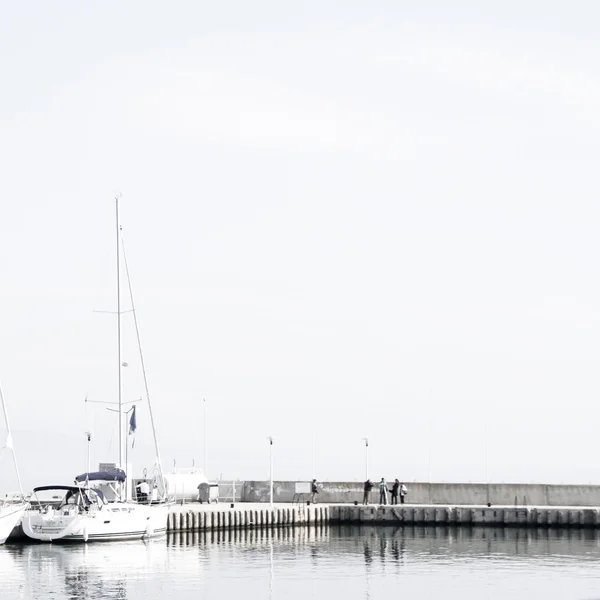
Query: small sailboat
[
  {"x": 82, "y": 514},
  {"x": 96, "y": 508},
  {"x": 12, "y": 508}
]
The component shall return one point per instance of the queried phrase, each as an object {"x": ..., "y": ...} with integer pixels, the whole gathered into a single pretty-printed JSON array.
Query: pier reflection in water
[{"x": 365, "y": 562}]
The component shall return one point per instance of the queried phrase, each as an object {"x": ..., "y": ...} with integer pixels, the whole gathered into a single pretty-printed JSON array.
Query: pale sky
[{"x": 348, "y": 219}]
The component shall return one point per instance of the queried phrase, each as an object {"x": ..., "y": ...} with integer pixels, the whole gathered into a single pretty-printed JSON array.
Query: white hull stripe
[{"x": 101, "y": 536}]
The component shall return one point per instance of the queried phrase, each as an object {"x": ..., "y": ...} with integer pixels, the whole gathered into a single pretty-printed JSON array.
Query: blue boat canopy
[
  {"x": 64, "y": 488},
  {"x": 113, "y": 475}
]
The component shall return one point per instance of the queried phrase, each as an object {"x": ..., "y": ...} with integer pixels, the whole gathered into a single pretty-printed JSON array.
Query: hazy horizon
[{"x": 341, "y": 222}]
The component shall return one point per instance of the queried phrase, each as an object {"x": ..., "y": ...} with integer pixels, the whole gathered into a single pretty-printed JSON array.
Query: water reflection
[
  {"x": 394, "y": 544},
  {"x": 293, "y": 563},
  {"x": 88, "y": 571},
  {"x": 257, "y": 538}
]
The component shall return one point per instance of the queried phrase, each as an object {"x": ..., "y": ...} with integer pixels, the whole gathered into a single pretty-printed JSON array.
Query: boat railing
[{"x": 13, "y": 498}]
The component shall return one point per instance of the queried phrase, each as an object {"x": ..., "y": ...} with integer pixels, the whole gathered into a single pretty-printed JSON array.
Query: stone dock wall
[
  {"x": 240, "y": 517},
  {"x": 194, "y": 518},
  {"x": 453, "y": 504},
  {"x": 501, "y": 516},
  {"x": 516, "y": 494}
]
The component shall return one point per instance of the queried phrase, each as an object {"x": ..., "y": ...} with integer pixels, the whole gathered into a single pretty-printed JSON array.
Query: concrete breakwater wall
[
  {"x": 196, "y": 518},
  {"x": 501, "y": 516},
  {"x": 506, "y": 494},
  {"x": 190, "y": 518}
]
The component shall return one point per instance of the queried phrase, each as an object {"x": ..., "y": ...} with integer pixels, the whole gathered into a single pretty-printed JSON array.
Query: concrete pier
[
  {"x": 196, "y": 517},
  {"x": 448, "y": 494},
  {"x": 497, "y": 516},
  {"x": 215, "y": 517}
]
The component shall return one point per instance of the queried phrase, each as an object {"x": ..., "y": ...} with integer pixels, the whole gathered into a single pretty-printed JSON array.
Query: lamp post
[
  {"x": 204, "y": 427},
  {"x": 314, "y": 450},
  {"x": 429, "y": 454},
  {"x": 366, "y": 441},
  {"x": 430, "y": 438},
  {"x": 270, "y": 470}
]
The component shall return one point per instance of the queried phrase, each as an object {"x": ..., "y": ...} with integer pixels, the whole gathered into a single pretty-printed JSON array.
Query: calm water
[{"x": 347, "y": 563}]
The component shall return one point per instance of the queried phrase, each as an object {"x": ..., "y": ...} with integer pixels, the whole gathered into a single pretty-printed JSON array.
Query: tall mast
[
  {"x": 139, "y": 341},
  {"x": 119, "y": 332}
]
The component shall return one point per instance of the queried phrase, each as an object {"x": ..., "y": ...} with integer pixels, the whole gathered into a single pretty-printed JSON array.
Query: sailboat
[
  {"x": 12, "y": 508},
  {"x": 83, "y": 512}
]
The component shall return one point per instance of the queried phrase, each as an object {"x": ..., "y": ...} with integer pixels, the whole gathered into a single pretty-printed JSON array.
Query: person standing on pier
[
  {"x": 314, "y": 490},
  {"x": 367, "y": 491},
  {"x": 395, "y": 492},
  {"x": 403, "y": 492},
  {"x": 383, "y": 491}
]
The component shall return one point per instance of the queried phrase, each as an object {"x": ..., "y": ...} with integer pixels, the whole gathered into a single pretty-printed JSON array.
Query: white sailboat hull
[
  {"x": 10, "y": 517},
  {"x": 115, "y": 521}
]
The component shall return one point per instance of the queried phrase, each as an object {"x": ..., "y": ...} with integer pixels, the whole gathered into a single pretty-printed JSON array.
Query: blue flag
[{"x": 132, "y": 422}]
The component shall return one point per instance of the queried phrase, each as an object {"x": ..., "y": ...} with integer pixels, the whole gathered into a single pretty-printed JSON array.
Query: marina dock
[
  {"x": 218, "y": 517},
  {"x": 206, "y": 517},
  {"x": 497, "y": 516},
  {"x": 244, "y": 506}
]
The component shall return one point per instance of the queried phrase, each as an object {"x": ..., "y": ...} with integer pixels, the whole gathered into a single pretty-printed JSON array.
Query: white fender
[{"x": 149, "y": 528}]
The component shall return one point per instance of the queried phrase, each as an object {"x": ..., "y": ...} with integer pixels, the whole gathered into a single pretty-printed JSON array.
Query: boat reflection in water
[
  {"x": 89, "y": 571},
  {"x": 300, "y": 563}
]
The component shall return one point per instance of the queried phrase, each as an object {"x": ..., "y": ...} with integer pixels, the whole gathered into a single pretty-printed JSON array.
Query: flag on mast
[
  {"x": 132, "y": 422},
  {"x": 132, "y": 425}
]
